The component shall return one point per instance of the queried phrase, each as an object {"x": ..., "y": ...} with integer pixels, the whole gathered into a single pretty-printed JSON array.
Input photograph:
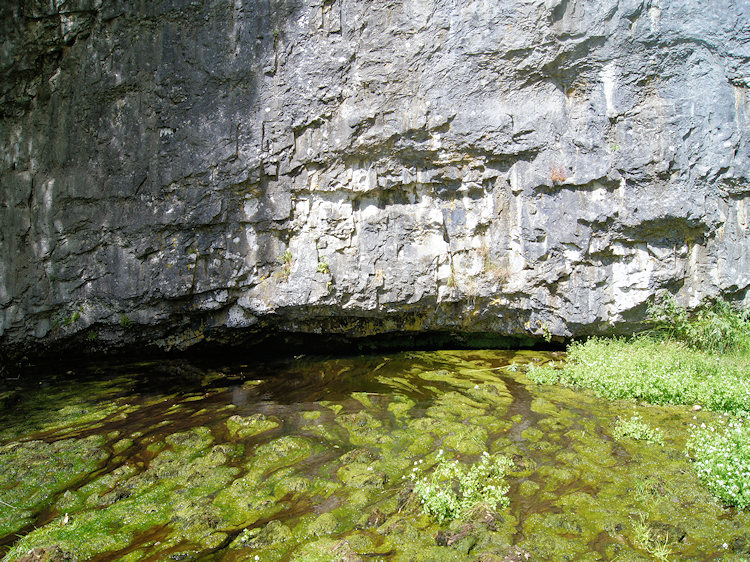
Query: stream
[{"x": 310, "y": 458}]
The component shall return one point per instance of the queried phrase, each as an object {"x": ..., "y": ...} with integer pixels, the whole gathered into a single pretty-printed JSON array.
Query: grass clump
[
  {"x": 636, "y": 428},
  {"x": 644, "y": 536},
  {"x": 453, "y": 491},
  {"x": 721, "y": 457}
]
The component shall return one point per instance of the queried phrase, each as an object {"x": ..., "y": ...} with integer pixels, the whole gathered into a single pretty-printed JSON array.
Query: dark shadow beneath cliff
[{"x": 254, "y": 347}]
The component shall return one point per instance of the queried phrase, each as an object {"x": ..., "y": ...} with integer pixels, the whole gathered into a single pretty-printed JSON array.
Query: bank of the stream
[{"x": 310, "y": 459}]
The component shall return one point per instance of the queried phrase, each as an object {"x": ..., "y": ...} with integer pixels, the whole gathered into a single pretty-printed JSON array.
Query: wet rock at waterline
[
  {"x": 278, "y": 463},
  {"x": 184, "y": 171}
]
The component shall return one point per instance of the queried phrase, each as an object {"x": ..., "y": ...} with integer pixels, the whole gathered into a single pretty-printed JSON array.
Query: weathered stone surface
[{"x": 172, "y": 169}]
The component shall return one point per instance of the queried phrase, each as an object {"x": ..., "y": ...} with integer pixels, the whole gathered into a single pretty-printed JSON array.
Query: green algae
[
  {"x": 249, "y": 426},
  {"x": 309, "y": 463}
]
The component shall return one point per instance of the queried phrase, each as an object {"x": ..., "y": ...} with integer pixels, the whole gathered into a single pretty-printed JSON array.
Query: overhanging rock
[{"x": 187, "y": 171}]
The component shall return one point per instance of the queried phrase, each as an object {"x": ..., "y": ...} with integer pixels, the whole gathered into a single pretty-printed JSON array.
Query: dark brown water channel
[{"x": 309, "y": 459}]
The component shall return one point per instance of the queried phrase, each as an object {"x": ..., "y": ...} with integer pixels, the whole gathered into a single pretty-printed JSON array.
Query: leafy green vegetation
[
  {"x": 453, "y": 491},
  {"x": 659, "y": 371},
  {"x": 722, "y": 459},
  {"x": 687, "y": 359},
  {"x": 75, "y": 317},
  {"x": 712, "y": 328},
  {"x": 700, "y": 358},
  {"x": 636, "y": 428}
]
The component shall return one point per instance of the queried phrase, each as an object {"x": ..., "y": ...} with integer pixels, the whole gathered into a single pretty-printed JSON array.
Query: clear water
[{"x": 305, "y": 459}]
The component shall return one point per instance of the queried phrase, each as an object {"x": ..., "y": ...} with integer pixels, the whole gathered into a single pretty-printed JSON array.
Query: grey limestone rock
[{"x": 175, "y": 171}]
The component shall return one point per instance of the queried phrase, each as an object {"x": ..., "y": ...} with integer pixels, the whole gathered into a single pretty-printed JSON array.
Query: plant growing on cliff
[
  {"x": 68, "y": 320},
  {"x": 286, "y": 265},
  {"x": 453, "y": 491},
  {"x": 546, "y": 332}
]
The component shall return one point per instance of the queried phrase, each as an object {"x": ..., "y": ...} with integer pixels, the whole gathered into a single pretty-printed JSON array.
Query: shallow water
[{"x": 304, "y": 460}]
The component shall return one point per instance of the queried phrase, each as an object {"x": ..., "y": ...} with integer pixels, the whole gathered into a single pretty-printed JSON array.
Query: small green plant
[
  {"x": 721, "y": 456},
  {"x": 649, "y": 490},
  {"x": 641, "y": 531},
  {"x": 125, "y": 321},
  {"x": 655, "y": 544},
  {"x": 636, "y": 428},
  {"x": 661, "y": 549},
  {"x": 91, "y": 336},
  {"x": 286, "y": 263},
  {"x": 75, "y": 317},
  {"x": 323, "y": 267},
  {"x": 546, "y": 332},
  {"x": 453, "y": 491}
]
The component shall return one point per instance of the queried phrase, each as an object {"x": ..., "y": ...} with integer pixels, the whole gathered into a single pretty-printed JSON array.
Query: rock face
[{"x": 174, "y": 171}]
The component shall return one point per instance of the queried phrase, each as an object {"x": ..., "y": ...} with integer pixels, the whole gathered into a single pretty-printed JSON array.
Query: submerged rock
[
  {"x": 49, "y": 554},
  {"x": 249, "y": 426}
]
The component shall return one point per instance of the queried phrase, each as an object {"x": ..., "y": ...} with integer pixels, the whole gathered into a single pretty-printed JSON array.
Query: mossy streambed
[{"x": 309, "y": 459}]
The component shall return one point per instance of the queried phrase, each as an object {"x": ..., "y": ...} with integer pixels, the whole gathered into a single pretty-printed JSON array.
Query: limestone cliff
[{"x": 174, "y": 171}]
